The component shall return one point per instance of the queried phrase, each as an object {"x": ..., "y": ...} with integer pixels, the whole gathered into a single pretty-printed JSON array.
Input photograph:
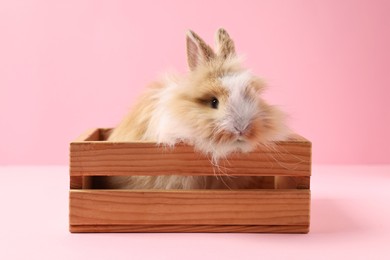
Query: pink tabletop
[{"x": 350, "y": 219}]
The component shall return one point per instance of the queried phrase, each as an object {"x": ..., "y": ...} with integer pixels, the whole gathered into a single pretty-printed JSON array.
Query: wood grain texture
[
  {"x": 81, "y": 182},
  {"x": 76, "y": 182},
  {"x": 190, "y": 228},
  {"x": 104, "y": 133},
  {"x": 288, "y": 182},
  {"x": 189, "y": 207},
  {"x": 100, "y": 158}
]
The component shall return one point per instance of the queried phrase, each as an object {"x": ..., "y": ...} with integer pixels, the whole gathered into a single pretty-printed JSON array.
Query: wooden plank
[
  {"x": 288, "y": 182},
  {"x": 81, "y": 182},
  {"x": 194, "y": 207},
  {"x": 190, "y": 228},
  {"x": 76, "y": 182},
  {"x": 289, "y": 158},
  {"x": 104, "y": 133}
]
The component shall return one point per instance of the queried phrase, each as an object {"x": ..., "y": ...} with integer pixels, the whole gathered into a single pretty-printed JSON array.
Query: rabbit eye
[{"x": 214, "y": 103}]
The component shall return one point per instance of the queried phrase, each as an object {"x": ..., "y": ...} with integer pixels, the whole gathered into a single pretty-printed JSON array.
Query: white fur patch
[
  {"x": 241, "y": 109},
  {"x": 163, "y": 126},
  {"x": 236, "y": 81}
]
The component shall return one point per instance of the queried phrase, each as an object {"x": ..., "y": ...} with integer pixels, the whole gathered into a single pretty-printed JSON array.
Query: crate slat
[
  {"x": 288, "y": 158},
  {"x": 189, "y": 207}
]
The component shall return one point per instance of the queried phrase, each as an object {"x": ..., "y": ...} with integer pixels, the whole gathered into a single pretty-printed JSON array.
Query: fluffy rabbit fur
[{"x": 216, "y": 107}]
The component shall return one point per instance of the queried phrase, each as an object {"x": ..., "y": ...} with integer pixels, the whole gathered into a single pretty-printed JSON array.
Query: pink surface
[
  {"x": 349, "y": 220},
  {"x": 67, "y": 66}
]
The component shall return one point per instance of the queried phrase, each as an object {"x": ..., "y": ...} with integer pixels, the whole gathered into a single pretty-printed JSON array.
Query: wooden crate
[{"x": 284, "y": 207}]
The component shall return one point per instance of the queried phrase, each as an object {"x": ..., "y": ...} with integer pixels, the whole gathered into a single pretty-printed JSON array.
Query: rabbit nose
[{"x": 240, "y": 131}]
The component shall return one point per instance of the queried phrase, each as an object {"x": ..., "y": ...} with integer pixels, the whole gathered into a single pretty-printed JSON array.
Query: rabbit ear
[
  {"x": 197, "y": 50},
  {"x": 224, "y": 44}
]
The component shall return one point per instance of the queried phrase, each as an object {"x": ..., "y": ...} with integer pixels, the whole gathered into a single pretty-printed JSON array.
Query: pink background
[{"x": 66, "y": 66}]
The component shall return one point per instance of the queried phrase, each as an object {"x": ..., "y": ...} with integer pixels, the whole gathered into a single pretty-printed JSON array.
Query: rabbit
[{"x": 216, "y": 107}]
